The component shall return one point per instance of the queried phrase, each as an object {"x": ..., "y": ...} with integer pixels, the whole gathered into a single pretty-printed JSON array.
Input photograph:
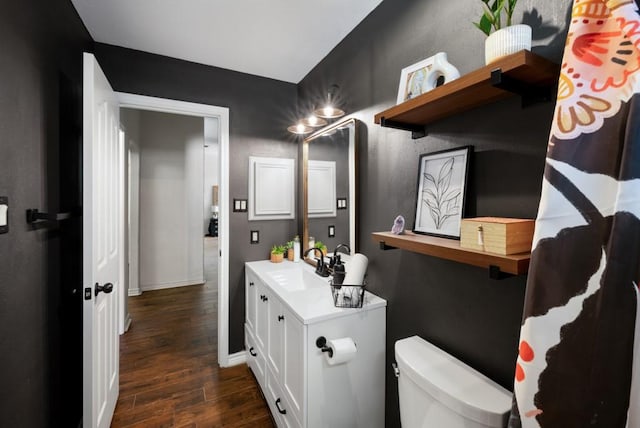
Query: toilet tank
[{"x": 436, "y": 390}]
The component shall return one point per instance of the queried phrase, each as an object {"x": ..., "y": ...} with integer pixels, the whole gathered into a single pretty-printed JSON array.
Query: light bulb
[{"x": 300, "y": 128}]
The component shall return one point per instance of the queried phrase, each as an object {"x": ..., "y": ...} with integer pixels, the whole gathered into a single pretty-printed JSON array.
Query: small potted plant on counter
[
  {"x": 319, "y": 245},
  {"x": 277, "y": 253}
]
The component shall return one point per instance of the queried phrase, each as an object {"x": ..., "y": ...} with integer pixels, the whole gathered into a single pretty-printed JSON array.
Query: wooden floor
[{"x": 169, "y": 376}]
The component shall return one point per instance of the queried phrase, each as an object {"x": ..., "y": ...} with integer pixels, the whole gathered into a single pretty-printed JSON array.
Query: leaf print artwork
[
  {"x": 441, "y": 184},
  {"x": 443, "y": 202}
]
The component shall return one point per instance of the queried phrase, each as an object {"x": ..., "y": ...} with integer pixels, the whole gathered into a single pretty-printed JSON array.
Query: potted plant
[
  {"x": 503, "y": 38},
  {"x": 289, "y": 249},
  {"x": 319, "y": 245},
  {"x": 277, "y": 253}
]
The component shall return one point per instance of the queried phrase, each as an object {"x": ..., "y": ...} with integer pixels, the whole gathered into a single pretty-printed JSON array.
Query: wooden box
[{"x": 497, "y": 235}]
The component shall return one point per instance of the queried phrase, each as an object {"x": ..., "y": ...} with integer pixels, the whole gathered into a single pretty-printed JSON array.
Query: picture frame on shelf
[
  {"x": 441, "y": 192},
  {"x": 424, "y": 76}
]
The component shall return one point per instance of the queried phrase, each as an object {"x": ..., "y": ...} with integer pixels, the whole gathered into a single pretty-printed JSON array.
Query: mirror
[{"x": 329, "y": 186}]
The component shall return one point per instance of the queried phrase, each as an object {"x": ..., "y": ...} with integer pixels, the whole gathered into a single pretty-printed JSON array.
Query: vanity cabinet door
[
  {"x": 262, "y": 308},
  {"x": 250, "y": 299},
  {"x": 293, "y": 364},
  {"x": 275, "y": 342}
]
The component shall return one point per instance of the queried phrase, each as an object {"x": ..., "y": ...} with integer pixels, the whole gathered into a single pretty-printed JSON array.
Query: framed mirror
[{"x": 329, "y": 199}]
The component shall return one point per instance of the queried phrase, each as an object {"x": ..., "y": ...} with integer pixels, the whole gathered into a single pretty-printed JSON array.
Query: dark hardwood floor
[{"x": 169, "y": 376}]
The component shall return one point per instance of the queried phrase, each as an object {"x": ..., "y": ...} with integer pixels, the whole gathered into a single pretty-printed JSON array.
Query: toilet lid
[{"x": 453, "y": 383}]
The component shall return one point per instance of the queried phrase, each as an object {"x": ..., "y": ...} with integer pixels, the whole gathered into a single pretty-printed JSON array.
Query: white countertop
[{"x": 311, "y": 303}]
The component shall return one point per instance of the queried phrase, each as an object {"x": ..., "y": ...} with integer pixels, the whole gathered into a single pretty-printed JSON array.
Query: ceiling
[{"x": 279, "y": 39}]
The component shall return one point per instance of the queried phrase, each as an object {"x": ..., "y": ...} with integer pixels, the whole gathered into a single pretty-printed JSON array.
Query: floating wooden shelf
[
  {"x": 524, "y": 73},
  {"x": 515, "y": 264}
]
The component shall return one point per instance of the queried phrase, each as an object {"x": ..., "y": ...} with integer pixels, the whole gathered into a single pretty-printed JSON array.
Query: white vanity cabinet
[{"x": 288, "y": 307}]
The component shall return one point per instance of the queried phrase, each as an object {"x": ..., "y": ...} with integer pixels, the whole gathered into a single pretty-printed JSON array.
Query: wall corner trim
[{"x": 236, "y": 359}]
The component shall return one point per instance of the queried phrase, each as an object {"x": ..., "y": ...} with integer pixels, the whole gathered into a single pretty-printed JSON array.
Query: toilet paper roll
[
  {"x": 355, "y": 269},
  {"x": 343, "y": 350}
]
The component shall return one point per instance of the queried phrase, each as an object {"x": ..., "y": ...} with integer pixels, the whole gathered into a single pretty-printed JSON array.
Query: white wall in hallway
[
  {"x": 130, "y": 119},
  {"x": 171, "y": 189},
  {"x": 211, "y": 165}
]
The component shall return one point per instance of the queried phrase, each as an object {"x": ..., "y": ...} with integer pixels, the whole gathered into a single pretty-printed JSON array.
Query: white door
[{"x": 102, "y": 223}]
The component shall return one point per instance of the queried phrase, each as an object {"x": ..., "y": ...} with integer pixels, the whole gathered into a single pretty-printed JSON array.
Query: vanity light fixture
[
  {"x": 319, "y": 116},
  {"x": 300, "y": 129},
  {"x": 329, "y": 111},
  {"x": 314, "y": 121}
]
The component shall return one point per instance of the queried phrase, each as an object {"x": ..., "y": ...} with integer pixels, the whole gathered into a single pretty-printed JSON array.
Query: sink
[{"x": 297, "y": 279}]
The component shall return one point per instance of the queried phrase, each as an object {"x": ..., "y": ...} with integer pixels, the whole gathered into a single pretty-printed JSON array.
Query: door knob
[{"x": 107, "y": 288}]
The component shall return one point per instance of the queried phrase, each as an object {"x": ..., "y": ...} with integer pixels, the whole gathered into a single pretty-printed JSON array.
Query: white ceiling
[{"x": 280, "y": 39}]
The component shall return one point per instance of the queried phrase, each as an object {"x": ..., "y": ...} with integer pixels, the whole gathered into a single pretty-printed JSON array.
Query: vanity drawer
[
  {"x": 278, "y": 403},
  {"x": 255, "y": 357}
]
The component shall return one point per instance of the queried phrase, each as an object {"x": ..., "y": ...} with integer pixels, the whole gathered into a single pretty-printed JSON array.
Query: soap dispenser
[
  {"x": 296, "y": 249},
  {"x": 338, "y": 271}
]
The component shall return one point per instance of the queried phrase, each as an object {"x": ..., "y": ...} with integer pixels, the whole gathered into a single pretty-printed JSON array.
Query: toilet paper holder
[{"x": 321, "y": 343}]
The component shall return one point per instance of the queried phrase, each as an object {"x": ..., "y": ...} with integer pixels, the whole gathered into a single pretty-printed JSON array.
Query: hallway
[{"x": 169, "y": 376}]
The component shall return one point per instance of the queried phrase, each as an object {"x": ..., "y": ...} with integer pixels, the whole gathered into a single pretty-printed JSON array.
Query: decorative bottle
[{"x": 296, "y": 249}]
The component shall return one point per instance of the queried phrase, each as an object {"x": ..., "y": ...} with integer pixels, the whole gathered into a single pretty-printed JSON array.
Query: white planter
[{"x": 507, "y": 41}]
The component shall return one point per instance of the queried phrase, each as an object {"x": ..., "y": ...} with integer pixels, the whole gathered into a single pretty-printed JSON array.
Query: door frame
[{"x": 143, "y": 102}]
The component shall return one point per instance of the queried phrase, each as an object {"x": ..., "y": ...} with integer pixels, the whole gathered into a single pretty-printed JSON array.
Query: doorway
[{"x": 221, "y": 115}]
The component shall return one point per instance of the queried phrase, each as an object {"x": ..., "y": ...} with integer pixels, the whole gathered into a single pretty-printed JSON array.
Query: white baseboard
[
  {"x": 134, "y": 292},
  {"x": 236, "y": 359},
  {"x": 161, "y": 286}
]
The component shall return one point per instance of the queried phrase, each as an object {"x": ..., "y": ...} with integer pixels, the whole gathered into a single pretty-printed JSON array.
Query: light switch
[
  {"x": 332, "y": 231},
  {"x": 4, "y": 214},
  {"x": 239, "y": 205},
  {"x": 255, "y": 237}
]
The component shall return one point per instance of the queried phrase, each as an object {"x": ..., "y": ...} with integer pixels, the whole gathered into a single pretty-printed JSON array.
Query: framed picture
[
  {"x": 424, "y": 76},
  {"x": 442, "y": 182}
]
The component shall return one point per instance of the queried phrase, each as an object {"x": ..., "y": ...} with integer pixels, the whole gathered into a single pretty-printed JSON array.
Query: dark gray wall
[
  {"x": 40, "y": 153},
  {"x": 452, "y": 305},
  {"x": 260, "y": 111}
]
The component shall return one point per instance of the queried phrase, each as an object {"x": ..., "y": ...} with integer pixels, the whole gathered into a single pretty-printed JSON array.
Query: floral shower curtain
[{"x": 579, "y": 352}]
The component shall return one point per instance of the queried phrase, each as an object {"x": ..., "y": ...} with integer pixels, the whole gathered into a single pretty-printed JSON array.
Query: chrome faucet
[{"x": 321, "y": 268}]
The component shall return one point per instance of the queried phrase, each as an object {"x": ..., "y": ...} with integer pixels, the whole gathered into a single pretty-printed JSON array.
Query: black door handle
[
  {"x": 280, "y": 317},
  {"x": 107, "y": 288},
  {"x": 282, "y": 411},
  {"x": 252, "y": 352}
]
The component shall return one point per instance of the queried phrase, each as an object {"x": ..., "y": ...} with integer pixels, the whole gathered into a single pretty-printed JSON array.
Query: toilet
[{"x": 438, "y": 391}]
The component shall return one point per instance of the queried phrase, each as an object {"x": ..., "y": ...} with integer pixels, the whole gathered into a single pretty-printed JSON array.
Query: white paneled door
[{"x": 102, "y": 223}]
